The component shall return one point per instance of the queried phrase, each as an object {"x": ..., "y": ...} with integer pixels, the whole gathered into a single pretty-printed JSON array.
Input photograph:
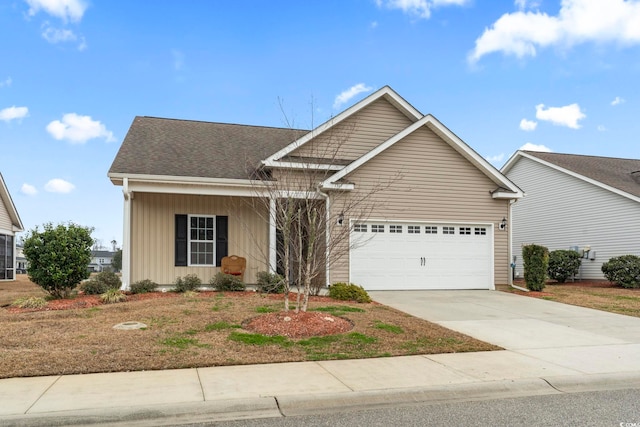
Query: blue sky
[{"x": 560, "y": 76}]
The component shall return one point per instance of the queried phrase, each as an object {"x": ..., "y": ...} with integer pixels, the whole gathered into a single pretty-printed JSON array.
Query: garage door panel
[{"x": 423, "y": 260}]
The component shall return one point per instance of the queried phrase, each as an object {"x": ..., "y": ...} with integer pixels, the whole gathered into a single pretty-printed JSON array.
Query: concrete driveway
[{"x": 580, "y": 339}]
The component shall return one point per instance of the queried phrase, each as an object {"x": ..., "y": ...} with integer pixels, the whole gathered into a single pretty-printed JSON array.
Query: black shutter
[
  {"x": 222, "y": 241},
  {"x": 181, "y": 241}
]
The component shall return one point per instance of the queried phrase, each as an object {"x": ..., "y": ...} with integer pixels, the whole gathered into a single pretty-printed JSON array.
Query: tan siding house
[
  {"x": 10, "y": 224},
  {"x": 408, "y": 204}
]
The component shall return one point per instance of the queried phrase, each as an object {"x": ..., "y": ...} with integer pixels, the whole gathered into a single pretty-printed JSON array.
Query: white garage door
[{"x": 406, "y": 255}]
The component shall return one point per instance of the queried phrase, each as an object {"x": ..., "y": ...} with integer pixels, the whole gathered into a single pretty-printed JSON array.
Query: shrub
[
  {"x": 29, "y": 302},
  {"x": 536, "y": 263},
  {"x": 190, "y": 282},
  {"x": 227, "y": 282},
  {"x": 58, "y": 257},
  {"x": 143, "y": 286},
  {"x": 113, "y": 296},
  {"x": 101, "y": 283},
  {"x": 348, "y": 292},
  {"x": 623, "y": 270},
  {"x": 270, "y": 283},
  {"x": 563, "y": 264}
]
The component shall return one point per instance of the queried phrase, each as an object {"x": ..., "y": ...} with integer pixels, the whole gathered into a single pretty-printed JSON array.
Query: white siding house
[
  {"x": 572, "y": 201},
  {"x": 10, "y": 224}
]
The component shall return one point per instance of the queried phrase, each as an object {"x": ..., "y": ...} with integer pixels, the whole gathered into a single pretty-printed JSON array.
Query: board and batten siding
[
  {"x": 560, "y": 211},
  {"x": 153, "y": 234},
  {"x": 358, "y": 134},
  {"x": 422, "y": 178}
]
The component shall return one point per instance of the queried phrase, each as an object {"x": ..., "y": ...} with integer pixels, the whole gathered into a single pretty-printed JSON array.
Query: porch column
[
  {"x": 272, "y": 236},
  {"x": 126, "y": 236}
]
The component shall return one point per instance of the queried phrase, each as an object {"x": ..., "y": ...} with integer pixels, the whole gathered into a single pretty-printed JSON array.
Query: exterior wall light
[
  {"x": 340, "y": 218},
  {"x": 503, "y": 224}
]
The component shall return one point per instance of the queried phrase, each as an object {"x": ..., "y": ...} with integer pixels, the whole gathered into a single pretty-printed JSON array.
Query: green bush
[
  {"x": 227, "y": 282},
  {"x": 29, "y": 302},
  {"x": 190, "y": 282},
  {"x": 623, "y": 270},
  {"x": 536, "y": 263},
  {"x": 58, "y": 257},
  {"x": 563, "y": 264},
  {"x": 113, "y": 296},
  {"x": 348, "y": 292},
  {"x": 101, "y": 283},
  {"x": 143, "y": 286},
  {"x": 270, "y": 283}
]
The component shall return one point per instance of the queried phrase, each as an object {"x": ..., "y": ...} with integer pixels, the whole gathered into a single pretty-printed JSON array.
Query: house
[
  {"x": 21, "y": 261},
  {"x": 101, "y": 260},
  {"x": 437, "y": 214},
  {"x": 10, "y": 224},
  {"x": 587, "y": 203}
]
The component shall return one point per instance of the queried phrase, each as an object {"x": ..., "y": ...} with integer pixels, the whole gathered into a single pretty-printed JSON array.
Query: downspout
[
  {"x": 510, "y": 248},
  {"x": 327, "y": 269},
  {"x": 272, "y": 236},
  {"x": 126, "y": 236}
]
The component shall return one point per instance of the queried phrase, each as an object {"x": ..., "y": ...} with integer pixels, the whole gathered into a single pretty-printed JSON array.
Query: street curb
[
  {"x": 309, "y": 404},
  {"x": 595, "y": 382},
  {"x": 156, "y": 415}
]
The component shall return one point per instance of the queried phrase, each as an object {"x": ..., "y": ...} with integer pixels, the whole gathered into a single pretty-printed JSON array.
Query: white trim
[
  {"x": 189, "y": 240},
  {"x": 126, "y": 236},
  {"x": 386, "y": 92},
  {"x": 304, "y": 166},
  {"x": 273, "y": 248},
  {"x": 449, "y": 137},
  {"x": 514, "y": 158},
  {"x": 182, "y": 179}
]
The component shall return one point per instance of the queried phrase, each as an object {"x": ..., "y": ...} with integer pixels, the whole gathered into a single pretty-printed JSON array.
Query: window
[
  {"x": 448, "y": 230},
  {"x": 360, "y": 228},
  {"x": 480, "y": 231},
  {"x": 375, "y": 228},
  {"x": 413, "y": 229},
  {"x": 431, "y": 229},
  {"x": 395, "y": 229},
  {"x": 6, "y": 257},
  {"x": 201, "y": 242},
  {"x": 465, "y": 230}
]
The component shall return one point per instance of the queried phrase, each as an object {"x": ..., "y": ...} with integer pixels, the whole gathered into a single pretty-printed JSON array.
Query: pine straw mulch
[{"x": 208, "y": 329}]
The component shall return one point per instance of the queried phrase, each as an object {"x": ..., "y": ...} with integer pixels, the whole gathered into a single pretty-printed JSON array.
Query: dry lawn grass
[
  {"x": 599, "y": 295},
  {"x": 200, "y": 330}
]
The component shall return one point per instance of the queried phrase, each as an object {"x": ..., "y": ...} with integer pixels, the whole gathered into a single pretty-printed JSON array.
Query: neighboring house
[
  {"x": 21, "y": 260},
  {"x": 190, "y": 191},
  {"x": 10, "y": 224},
  {"x": 100, "y": 260},
  {"x": 587, "y": 203}
]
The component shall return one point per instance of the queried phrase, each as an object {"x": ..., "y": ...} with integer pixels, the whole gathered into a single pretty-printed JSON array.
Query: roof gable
[
  {"x": 506, "y": 188},
  {"x": 385, "y": 93},
  {"x": 7, "y": 202},
  {"x": 621, "y": 176}
]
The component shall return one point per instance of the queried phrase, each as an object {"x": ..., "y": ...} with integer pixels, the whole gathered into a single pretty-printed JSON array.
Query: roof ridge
[
  {"x": 222, "y": 123},
  {"x": 533, "y": 152}
]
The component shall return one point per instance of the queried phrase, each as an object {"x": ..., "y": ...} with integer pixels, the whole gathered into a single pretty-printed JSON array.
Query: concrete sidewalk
[{"x": 549, "y": 348}]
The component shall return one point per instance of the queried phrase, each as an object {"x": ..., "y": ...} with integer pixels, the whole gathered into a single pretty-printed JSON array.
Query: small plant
[
  {"x": 190, "y": 282},
  {"x": 623, "y": 270},
  {"x": 219, "y": 326},
  {"x": 29, "y": 302},
  {"x": 349, "y": 292},
  {"x": 101, "y": 283},
  {"x": 563, "y": 264},
  {"x": 113, "y": 296},
  {"x": 270, "y": 283},
  {"x": 387, "y": 327},
  {"x": 536, "y": 263},
  {"x": 267, "y": 309},
  {"x": 143, "y": 287},
  {"x": 227, "y": 282}
]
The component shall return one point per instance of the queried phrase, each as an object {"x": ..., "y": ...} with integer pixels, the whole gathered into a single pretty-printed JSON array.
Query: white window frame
[{"x": 190, "y": 241}]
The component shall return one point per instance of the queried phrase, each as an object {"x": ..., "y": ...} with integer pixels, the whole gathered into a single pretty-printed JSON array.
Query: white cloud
[
  {"x": 67, "y": 10},
  {"x": 495, "y": 159},
  {"x": 535, "y": 147},
  {"x": 418, "y": 8},
  {"x": 6, "y": 82},
  {"x": 350, "y": 93},
  {"x": 58, "y": 185},
  {"x": 617, "y": 100},
  {"x": 527, "y": 4},
  {"x": 12, "y": 113},
  {"x": 528, "y": 125},
  {"x": 28, "y": 189},
  {"x": 78, "y": 129},
  {"x": 601, "y": 128},
  {"x": 578, "y": 21},
  {"x": 568, "y": 115},
  {"x": 56, "y": 35}
]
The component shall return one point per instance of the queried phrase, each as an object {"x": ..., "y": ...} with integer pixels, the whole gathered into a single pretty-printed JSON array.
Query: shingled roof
[
  {"x": 623, "y": 174},
  {"x": 187, "y": 148}
]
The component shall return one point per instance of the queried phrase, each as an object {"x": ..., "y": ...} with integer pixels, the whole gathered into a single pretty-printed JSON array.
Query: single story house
[
  {"x": 10, "y": 224},
  {"x": 587, "y": 203},
  {"x": 437, "y": 213}
]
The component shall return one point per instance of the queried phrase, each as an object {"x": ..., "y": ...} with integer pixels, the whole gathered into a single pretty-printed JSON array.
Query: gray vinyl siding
[
  {"x": 560, "y": 211},
  {"x": 358, "y": 134},
  {"x": 422, "y": 178}
]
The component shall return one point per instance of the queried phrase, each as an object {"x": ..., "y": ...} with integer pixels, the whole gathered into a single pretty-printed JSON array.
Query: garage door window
[
  {"x": 413, "y": 229},
  {"x": 430, "y": 229},
  {"x": 465, "y": 230},
  {"x": 375, "y": 228},
  {"x": 360, "y": 228},
  {"x": 448, "y": 230},
  {"x": 395, "y": 229},
  {"x": 480, "y": 231}
]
